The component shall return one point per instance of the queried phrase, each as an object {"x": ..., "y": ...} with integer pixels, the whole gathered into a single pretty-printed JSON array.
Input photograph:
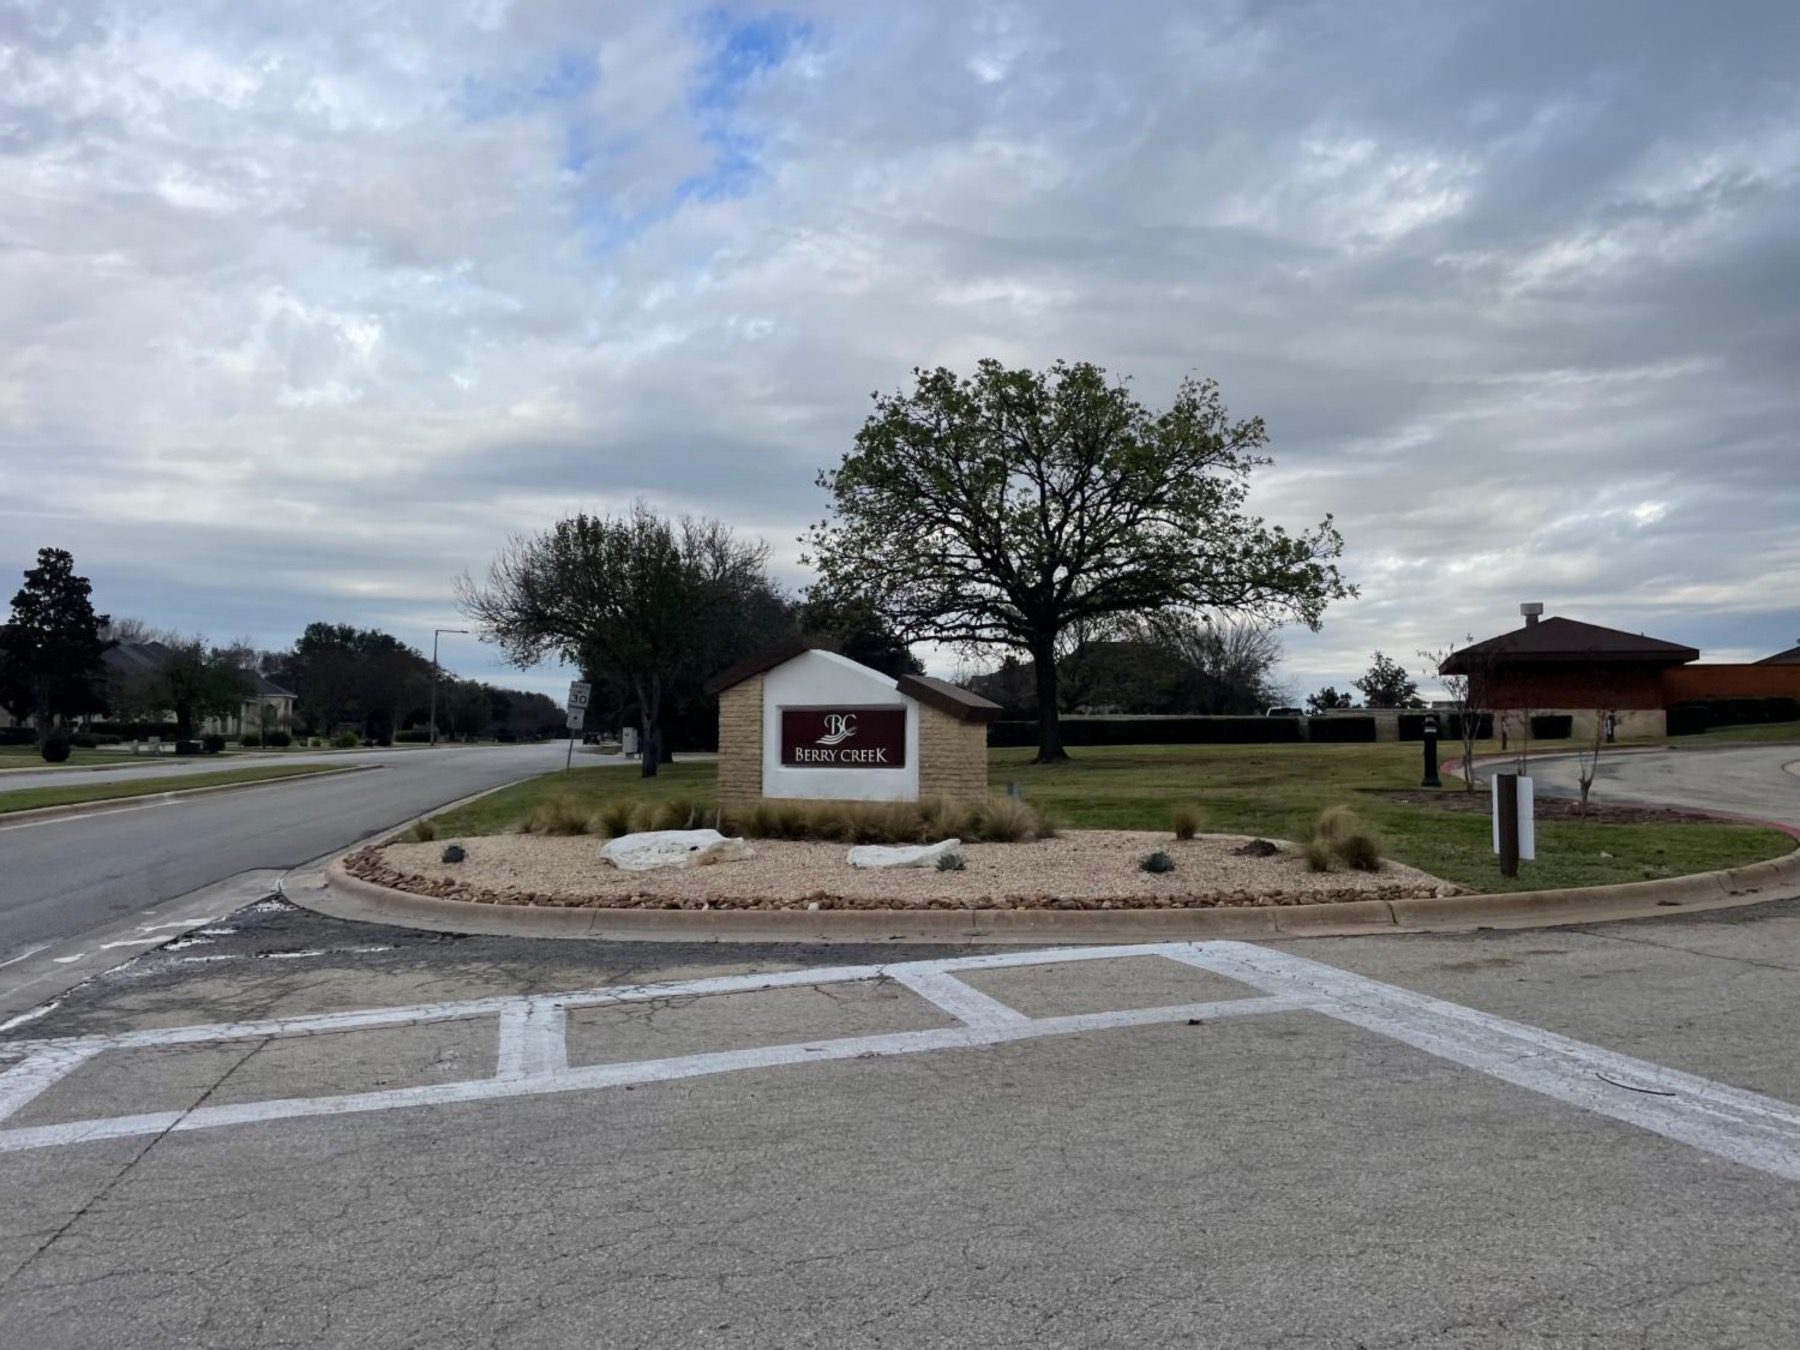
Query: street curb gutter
[
  {"x": 334, "y": 892},
  {"x": 98, "y": 805}
]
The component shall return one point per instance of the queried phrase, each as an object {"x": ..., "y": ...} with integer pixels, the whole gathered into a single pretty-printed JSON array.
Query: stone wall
[
  {"x": 740, "y": 742},
  {"x": 952, "y": 756}
]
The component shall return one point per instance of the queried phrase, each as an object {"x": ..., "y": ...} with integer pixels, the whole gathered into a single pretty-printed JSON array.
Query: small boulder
[
  {"x": 1257, "y": 848},
  {"x": 654, "y": 849},
  {"x": 903, "y": 855}
]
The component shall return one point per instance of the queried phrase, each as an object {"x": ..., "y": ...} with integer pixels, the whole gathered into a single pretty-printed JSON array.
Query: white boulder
[
  {"x": 655, "y": 849},
  {"x": 905, "y": 855}
]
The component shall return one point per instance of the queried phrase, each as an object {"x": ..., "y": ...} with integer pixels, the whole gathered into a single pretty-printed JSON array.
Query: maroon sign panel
[{"x": 843, "y": 738}]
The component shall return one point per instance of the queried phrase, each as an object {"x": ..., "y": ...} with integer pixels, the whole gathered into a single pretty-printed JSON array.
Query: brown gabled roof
[
  {"x": 1791, "y": 657},
  {"x": 948, "y": 698},
  {"x": 766, "y": 660},
  {"x": 1557, "y": 640}
]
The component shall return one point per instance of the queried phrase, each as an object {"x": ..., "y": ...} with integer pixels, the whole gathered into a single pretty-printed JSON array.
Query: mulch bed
[{"x": 1546, "y": 808}]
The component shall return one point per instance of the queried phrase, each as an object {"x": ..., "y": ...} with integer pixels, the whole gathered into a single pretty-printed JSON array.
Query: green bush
[
  {"x": 1338, "y": 835},
  {"x": 1185, "y": 820},
  {"x": 453, "y": 853},
  {"x": 56, "y": 748},
  {"x": 281, "y": 740},
  {"x": 951, "y": 862},
  {"x": 1157, "y": 862},
  {"x": 346, "y": 740},
  {"x": 212, "y": 743},
  {"x": 412, "y": 737},
  {"x": 250, "y": 740}
]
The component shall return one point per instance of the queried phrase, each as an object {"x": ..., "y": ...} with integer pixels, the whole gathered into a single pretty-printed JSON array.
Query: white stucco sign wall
[{"x": 823, "y": 694}]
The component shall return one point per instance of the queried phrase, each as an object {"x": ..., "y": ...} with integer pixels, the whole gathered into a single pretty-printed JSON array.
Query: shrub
[
  {"x": 18, "y": 735},
  {"x": 316, "y": 743},
  {"x": 56, "y": 748},
  {"x": 1185, "y": 821},
  {"x": 1360, "y": 851},
  {"x": 940, "y": 818},
  {"x": 1004, "y": 820},
  {"x": 453, "y": 853},
  {"x": 412, "y": 737},
  {"x": 82, "y": 741},
  {"x": 422, "y": 832},
  {"x": 250, "y": 740},
  {"x": 1079, "y": 731},
  {"x": 280, "y": 739},
  {"x": 1318, "y": 855},
  {"x": 1340, "y": 729},
  {"x": 613, "y": 819},
  {"x": 1334, "y": 822},
  {"x": 560, "y": 815},
  {"x": 187, "y": 748},
  {"x": 212, "y": 743},
  {"x": 1337, "y": 833},
  {"x": 678, "y": 813},
  {"x": 346, "y": 740},
  {"x": 1157, "y": 862},
  {"x": 950, "y": 862}
]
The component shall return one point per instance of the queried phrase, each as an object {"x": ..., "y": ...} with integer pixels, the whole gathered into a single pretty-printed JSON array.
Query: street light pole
[{"x": 434, "y": 675}]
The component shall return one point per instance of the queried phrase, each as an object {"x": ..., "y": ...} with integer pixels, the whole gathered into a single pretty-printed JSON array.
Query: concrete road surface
[
  {"x": 1552, "y": 1138},
  {"x": 61, "y": 879},
  {"x": 1758, "y": 781}
]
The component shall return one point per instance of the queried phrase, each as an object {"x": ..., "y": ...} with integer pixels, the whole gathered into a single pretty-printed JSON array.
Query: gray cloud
[{"x": 305, "y": 316}]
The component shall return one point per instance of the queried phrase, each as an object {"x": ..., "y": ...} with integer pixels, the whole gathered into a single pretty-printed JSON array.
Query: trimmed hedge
[
  {"x": 134, "y": 731},
  {"x": 1340, "y": 730},
  {"x": 18, "y": 735},
  {"x": 1552, "y": 727},
  {"x": 1412, "y": 726},
  {"x": 1156, "y": 731},
  {"x": 1690, "y": 719}
]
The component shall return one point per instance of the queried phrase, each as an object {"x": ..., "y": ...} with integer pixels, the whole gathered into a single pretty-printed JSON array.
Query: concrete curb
[
  {"x": 331, "y": 890},
  {"x": 100, "y": 805}
]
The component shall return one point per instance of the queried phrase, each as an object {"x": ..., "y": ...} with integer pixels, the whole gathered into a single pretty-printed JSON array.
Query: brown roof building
[
  {"x": 1564, "y": 663},
  {"x": 1558, "y": 664}
]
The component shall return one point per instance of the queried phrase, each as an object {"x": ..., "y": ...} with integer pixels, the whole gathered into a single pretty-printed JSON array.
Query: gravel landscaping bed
[{"x": 1081, "y": 869}]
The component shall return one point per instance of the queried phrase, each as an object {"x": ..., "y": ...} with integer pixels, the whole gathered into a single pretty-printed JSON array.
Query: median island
[{"x": 1228, "y": 826}]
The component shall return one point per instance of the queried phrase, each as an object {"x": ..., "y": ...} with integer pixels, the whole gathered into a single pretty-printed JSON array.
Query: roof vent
[{"x": 1531, "y": 609}]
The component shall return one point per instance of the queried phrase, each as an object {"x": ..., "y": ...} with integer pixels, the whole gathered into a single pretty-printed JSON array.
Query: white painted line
[
  {"x": 1744, "y": 1127},
  {"x": 21, "y": 1083},
  {"x": 24, "y": 953},
  {"x": 132, "y": 942},
  {"x": 956, "y": 998},
  {"x": 90, "y": 815},
  {"x": 179, "y": 923},
  {"x": 533, "y": 1039},
  {"x": 32, "y": 950},
  {"x": 598, "y": 1076},
  {"x": 31, "y": 1016}
]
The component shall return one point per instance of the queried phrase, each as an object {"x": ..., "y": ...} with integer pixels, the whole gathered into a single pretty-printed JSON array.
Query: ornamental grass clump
[
  {"x": 1004, "y": 820},
  {"x": 613, "y": 819},
  {"x": 1340, "y": 836},
  {"x": 422, "y": 832},
  {"x": 561, "y": 815},
  {"x": 1185, "y": 821}
]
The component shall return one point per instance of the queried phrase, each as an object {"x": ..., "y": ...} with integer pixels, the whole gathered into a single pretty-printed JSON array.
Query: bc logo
[{"x": 839, "y": 727}]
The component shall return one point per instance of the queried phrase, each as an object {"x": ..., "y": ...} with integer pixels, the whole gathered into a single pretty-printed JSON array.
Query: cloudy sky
[{"x": 306, "y": 308}]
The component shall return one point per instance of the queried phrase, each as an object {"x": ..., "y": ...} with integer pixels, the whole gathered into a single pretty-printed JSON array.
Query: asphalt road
[
  {"x": 1401, "y": 1171},
  {"x": 60, "y": 878},
  {"x": 1757, "y": 781},
  {"x": 39, "y": 776}
]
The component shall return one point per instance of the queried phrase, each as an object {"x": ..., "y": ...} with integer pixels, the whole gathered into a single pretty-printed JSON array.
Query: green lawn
[
  {"x": 1274, "y": 791},
  {"x": 30, "y": 799},
  {"x": 1762, "y": 731}
]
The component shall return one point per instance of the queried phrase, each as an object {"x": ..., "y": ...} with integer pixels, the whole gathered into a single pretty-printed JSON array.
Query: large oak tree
[
  {"x": 51, "y": 647},
  {"x": 1016, "y": 507}
]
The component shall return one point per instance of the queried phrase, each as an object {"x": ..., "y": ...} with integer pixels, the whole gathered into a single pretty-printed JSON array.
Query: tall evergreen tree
[{"x": 51, "y": 647}]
